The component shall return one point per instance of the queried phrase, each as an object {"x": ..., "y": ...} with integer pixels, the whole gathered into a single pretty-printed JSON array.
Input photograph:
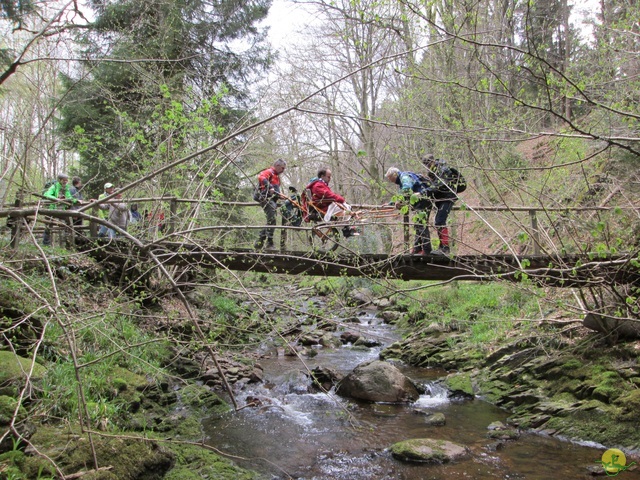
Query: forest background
[{"x": 536, "y": 102}]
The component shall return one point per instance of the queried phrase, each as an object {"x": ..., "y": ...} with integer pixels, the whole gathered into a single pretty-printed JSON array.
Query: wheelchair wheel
[{"x": 324, "y": 238}]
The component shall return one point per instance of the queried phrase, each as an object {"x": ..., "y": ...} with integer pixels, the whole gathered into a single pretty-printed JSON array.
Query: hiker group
[
  {"x": 436, "y": 189},
  {"x": 65, "y": 196}
]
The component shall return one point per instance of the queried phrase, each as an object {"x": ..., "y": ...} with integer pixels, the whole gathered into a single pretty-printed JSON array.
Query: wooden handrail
[
  {"x": 42, "y": 208},
  {"x": 479, "y": 208}
]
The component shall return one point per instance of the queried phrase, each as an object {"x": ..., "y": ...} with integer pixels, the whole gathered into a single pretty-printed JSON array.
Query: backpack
[
  {"x": 456, "y": 181},
  {"x": 260, "y": 196},
  {"x": 291, "y": 214},
  {"x": 47, "y": 185},
  {"x": 452, "y": 180},
  {"x": 309, "y": 214}
]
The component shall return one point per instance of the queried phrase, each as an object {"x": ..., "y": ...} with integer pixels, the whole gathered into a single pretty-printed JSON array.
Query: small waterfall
[{"x": 435, "y": 395}]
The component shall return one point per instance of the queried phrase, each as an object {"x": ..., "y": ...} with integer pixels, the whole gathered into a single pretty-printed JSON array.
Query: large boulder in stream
[
  {"x": 378, "y": 381},
  {"x": 428, "y": 450}
]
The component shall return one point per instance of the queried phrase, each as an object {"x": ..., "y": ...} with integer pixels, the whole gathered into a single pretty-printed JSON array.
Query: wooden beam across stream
[{"x": 559, "y": 271}]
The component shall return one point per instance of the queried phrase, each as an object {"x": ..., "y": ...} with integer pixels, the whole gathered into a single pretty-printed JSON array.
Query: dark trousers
[
  {"x": 47, "y": 236},
  {"x": 423, "y": 238},
  {"x": 270, "y": 208},
  {"x": 443, "y": 209}
]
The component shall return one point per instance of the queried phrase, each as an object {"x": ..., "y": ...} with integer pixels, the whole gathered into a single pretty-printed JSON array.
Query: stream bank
[{"x": 560, "y": 382}]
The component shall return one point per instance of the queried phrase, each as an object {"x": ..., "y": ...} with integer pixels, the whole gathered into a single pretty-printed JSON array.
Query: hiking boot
[
  {"x": 350, "y": 232},
  {"x": 270, "y": 246},
  {"x": 441, "y": 252},
  {"x": 259, "y": 244},
  {"x": 420, "y": 251}
]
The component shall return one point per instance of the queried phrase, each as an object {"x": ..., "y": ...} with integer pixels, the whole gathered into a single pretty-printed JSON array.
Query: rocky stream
[{"x": 426, "y": 411}]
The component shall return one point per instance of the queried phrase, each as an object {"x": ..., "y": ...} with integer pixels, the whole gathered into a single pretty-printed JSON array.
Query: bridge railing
[{"x": 165, "y": 212}]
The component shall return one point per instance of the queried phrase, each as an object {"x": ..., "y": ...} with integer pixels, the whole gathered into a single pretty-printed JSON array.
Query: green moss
[
  {"x": 128, "y": 458},
  {"x": 12, "y": 366},
  {"x": 13, "y": 370},
  {"x": 572, "y": 365},
  {"x": 629, "y": 404},
  {"x": 14, "y": 458},
  {"x": 188, "y": 428},
  {"x": 195, "y": 463},
  {"x": 12, "y": 465},
  {"x": 125, "y": 379},
  {"x": 460, "y": 383},
  {"x": 493, "y": 390},
  {"x": 198, "y": 396},
  {"x": 7, "y": 409},
  {"x": 606, "y": 393},
  {"x": 598, "y": 425}
]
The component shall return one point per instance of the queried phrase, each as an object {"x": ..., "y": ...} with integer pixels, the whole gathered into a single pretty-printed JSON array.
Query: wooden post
[
  {"x": 534, "y": 231},
  {"x": 452, "y": 233},
  {"x": 93, "y": 226},
  {"x": 283, "y": 234},
  {"x": 173, "y": 212},
  {"x": 407, "y": 233},
  {"x": 16, "y": 223}
]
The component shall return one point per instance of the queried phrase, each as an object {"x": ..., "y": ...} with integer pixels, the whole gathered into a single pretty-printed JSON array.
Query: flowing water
[{"x": 302, "y": 435}]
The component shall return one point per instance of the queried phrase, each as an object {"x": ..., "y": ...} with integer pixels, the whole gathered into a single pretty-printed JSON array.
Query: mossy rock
[
  {"x": 13, "y": 370},
  {"x": 199, "y": 396},
  {"x": 460, "y": 384},
  {"x": 493, "y": 390},
  {"x": 500, "y": 431},
  {"x": 121, "y": 458},
  {"x": 598, "y": 425},
  {"x": 7, "y": 409},
  {"x": 12, "y": 464},
  {"x": 123, "y": 379},
  {"x": 629, "y": 404},
  {"x": 195, "y": 463},
  {"x": 435, "y": 419},
  {"x": 25, "y": 428},
  {"x": 428, "y": 450}
]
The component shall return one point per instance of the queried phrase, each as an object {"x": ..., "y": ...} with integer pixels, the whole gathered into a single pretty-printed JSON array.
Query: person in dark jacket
[
  {"x": 439, "y": 175},
  {"x": 416, "y": 194},
  {"x": 76, "y": 192},
  {"x": 330, "y": 204},
  {"x": 134, "y": 215},
  {"x": 267, "y": 194}
]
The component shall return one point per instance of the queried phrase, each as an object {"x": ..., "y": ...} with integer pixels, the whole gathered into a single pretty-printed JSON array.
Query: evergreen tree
[
  {"x": 13, "y": 10},
  {"x": 152, "y": 65}
]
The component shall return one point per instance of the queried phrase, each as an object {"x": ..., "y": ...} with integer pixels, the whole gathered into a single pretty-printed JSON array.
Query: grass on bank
[
  {"x": 105, "y": 354},
  {"x": 486, "y": 311}
]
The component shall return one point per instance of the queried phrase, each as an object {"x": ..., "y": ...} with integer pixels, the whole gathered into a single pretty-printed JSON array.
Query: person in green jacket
[{"x": 63, "y": 199}]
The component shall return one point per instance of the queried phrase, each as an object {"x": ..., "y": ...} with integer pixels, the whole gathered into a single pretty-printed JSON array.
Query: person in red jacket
[
  {"x": 267, "y": 193},
  {"x": 329, "y": 203}
]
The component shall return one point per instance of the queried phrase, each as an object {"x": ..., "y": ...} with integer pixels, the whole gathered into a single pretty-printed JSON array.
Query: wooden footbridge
[
  {"x": 561, "y": 271},
  {"x": 577, "y": 270}
]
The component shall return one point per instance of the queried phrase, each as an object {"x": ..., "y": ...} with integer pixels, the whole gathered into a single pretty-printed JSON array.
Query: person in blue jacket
[{"x": 415, "y": 193}]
